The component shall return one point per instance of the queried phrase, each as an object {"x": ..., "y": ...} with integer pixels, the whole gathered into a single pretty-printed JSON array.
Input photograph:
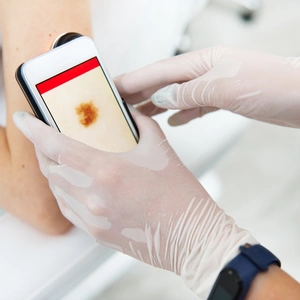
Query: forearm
[
  {"x": 28, "y": 29},
  {"x": 274, "y": 284}
]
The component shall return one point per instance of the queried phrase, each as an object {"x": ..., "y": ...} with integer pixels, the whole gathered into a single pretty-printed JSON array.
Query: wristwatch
[{"x": 235, "y": 279}]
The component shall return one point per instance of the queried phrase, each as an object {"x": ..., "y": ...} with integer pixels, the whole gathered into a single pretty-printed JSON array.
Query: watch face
[{"x": 227, "y": 287}]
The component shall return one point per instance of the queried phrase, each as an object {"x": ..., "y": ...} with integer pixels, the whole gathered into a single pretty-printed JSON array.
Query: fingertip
[
  {"x": 164, "y": 97},
  {"x": 20, "y": 120},
  {"x": 118, "y": 81},
  {"x": 19, "y": 117},
  {"x": 176, "y": 120},
  {"x": 34, "y": 129},
  {"x": 131, "y": 83}
]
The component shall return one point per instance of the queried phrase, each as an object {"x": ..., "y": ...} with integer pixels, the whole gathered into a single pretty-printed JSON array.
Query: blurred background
[{"x": 257, "y": 180}]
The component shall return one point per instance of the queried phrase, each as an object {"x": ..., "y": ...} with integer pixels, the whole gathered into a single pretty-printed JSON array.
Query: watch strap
[{"x": 250, "y": 261}]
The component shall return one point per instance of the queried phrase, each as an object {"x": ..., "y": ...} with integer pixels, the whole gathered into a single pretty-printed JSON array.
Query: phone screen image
[{"x": 84, "y": 107}]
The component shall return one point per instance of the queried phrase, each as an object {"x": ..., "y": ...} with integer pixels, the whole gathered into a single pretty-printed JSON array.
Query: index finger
[{"x": 139, "y": 85}]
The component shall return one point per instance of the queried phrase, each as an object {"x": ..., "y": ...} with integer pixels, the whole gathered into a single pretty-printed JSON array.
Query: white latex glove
[
  {"x": 253, "y": 84},
  {"x": 144, "y": 202}
]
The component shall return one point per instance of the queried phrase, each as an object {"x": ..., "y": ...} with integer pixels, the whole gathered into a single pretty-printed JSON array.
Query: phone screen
[{"x": 84, "y": 107}]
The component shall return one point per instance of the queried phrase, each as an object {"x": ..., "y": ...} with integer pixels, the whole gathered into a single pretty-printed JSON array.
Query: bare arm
[
  {"x": 28, "y": 29},
  {"x": 275, "y": 284}
]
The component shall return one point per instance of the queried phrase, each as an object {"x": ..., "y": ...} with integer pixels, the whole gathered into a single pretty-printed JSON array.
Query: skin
[
  {"x": 28, "y": 28},
  {"x": 275, "y": 284}
]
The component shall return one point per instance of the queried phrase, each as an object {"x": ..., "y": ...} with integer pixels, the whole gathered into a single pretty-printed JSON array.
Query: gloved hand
[
  {"x": 253, "y": 84},
  {"x": 144, "y": 202}
]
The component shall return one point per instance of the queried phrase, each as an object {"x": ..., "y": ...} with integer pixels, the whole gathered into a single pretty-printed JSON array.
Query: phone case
[
  {"x": 28, "y": 95},
  {"x": 64, "y": 38}
]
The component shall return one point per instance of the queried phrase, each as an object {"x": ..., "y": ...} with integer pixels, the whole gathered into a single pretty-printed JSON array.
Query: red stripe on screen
[{"x": 68, "y": 75}]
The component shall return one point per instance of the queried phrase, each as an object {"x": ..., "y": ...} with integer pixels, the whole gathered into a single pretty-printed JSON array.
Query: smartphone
[{"x": 69, "y": 89}]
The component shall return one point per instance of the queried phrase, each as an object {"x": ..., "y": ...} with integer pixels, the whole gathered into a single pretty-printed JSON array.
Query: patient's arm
[{"x": 28, "y": 29}]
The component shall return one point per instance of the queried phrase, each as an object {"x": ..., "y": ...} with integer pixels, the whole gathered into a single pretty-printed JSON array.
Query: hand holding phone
[{"x": 69, "y": 89}]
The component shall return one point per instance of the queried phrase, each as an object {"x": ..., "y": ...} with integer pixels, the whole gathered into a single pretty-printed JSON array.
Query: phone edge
[{"x": 27, "y": 94}]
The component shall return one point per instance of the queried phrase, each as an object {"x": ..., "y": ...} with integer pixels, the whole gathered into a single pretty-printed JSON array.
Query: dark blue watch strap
[{"x": 251, "y": 260}]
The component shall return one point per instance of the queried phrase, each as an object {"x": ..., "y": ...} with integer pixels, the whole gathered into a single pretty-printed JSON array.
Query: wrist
[
  {"x": 216, "y": 244},
  {"x": 234, "y": 281}
]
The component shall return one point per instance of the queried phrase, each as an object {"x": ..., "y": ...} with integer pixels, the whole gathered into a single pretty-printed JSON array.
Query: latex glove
[
  {"x": 144, "y": 202},
  {"x": 253, "y": 84}
]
